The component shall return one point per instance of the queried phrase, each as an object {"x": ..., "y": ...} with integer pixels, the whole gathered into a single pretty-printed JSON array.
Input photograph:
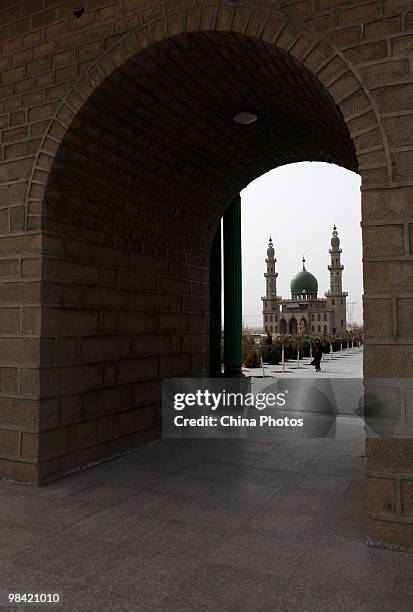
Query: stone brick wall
[
  {"x": 118, "y": 157},
  {"x": 123, "y": 307}
]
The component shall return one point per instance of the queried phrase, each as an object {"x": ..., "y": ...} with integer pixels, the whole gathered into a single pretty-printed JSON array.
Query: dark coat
[{"x": 317, "y": 352}]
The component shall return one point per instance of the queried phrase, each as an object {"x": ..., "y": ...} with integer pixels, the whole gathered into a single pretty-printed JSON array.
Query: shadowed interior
[{"x": 139, "y": 183}]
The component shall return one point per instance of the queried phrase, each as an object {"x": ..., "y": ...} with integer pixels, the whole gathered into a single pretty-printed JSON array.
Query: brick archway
[
  {"x": 303, "y": 43},
  {"x": 150, "y": 150},
  {"x": 80, "y": 283}
]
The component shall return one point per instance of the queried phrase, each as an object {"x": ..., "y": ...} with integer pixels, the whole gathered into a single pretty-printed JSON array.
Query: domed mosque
[
  {"x": 304, "y": 284},
  {"x": 305, "y": 313}
]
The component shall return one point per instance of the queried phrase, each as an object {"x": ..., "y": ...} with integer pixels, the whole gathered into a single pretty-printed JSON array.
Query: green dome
[{"x": 304, "y": 283}]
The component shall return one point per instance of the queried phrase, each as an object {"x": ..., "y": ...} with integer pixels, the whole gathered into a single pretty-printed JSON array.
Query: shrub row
[{"x": 271, "y": 350}]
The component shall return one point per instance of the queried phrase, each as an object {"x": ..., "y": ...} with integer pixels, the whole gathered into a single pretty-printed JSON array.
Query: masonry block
[
  {"x": 378, "y": 317},
  {"x": 381, "y": 494},
  {"x": 383, "y": 240}
]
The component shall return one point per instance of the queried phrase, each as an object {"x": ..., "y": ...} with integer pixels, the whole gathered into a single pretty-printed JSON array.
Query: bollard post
[
  {"x": 282, "y": 358},
  {"x": 331, "y": 351},
  {"x": 298, "y": 359}
]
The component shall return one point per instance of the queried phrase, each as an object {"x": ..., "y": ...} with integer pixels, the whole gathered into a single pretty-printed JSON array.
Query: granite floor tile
[
  {"x": 367, "y": 568},
  {"x": 255, "y": 524},
  {"x": 69, "y": 555},
  {"x": 103, "y": 493},
  {"x": 215, "y": 587}
]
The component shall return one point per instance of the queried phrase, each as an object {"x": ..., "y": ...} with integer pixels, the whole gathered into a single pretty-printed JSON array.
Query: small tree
[
  {"x": 252, "y": 359},
  {"x": 271, "y": 355},
  {"x": 305, "y": 348}
]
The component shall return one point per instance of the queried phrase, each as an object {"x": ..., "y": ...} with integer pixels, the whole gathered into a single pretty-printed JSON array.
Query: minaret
[
  {"x": 271, "y": 274},
  {"x": 336, "y": 269},
  {"x": 271, "y": 307},
  {"x": 336, "y": 297}
]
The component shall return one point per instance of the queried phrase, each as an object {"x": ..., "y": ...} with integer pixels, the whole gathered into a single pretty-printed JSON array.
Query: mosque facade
[{"x": 304, "y": 313}]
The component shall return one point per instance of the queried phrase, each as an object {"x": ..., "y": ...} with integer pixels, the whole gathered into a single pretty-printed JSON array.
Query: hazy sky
[{"x": 297, "y": 204}]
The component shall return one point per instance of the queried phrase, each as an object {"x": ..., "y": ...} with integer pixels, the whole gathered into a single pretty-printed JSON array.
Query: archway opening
[
  {"x": 296, "y": 208},
  {"x": 139, "y": 183}
]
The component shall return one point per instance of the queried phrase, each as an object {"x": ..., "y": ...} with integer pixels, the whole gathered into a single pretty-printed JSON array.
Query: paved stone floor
[
  {"x": 342, "y": 365},
  {"x": 344, "y": 373},
  {"x": 274, "y": 524}
]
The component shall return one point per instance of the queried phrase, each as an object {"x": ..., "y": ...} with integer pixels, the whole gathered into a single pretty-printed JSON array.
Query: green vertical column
[
  {"x": 215, "y": 283},
  {"x": 233, "y": 290}
]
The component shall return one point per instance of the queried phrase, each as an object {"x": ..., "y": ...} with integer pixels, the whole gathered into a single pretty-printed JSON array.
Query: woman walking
[{"x": 317, "y": 355}]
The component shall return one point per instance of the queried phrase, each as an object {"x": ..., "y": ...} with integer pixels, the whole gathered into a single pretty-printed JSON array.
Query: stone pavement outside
[
  {"x": 343, "y": 365},
  {"x": 179, "y": 525},
  {"x": 344, "y": 372}
]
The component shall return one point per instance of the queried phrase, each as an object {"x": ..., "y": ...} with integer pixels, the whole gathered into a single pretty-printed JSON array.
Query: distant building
[{"x": 305, "y": 313}]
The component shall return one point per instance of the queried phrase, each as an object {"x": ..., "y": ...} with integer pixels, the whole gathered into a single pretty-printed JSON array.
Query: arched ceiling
[{"x": 159, "y": 131}]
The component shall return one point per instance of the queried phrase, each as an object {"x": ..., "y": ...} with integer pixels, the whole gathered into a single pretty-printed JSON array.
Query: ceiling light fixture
[{"x": 245, "y": 118}]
